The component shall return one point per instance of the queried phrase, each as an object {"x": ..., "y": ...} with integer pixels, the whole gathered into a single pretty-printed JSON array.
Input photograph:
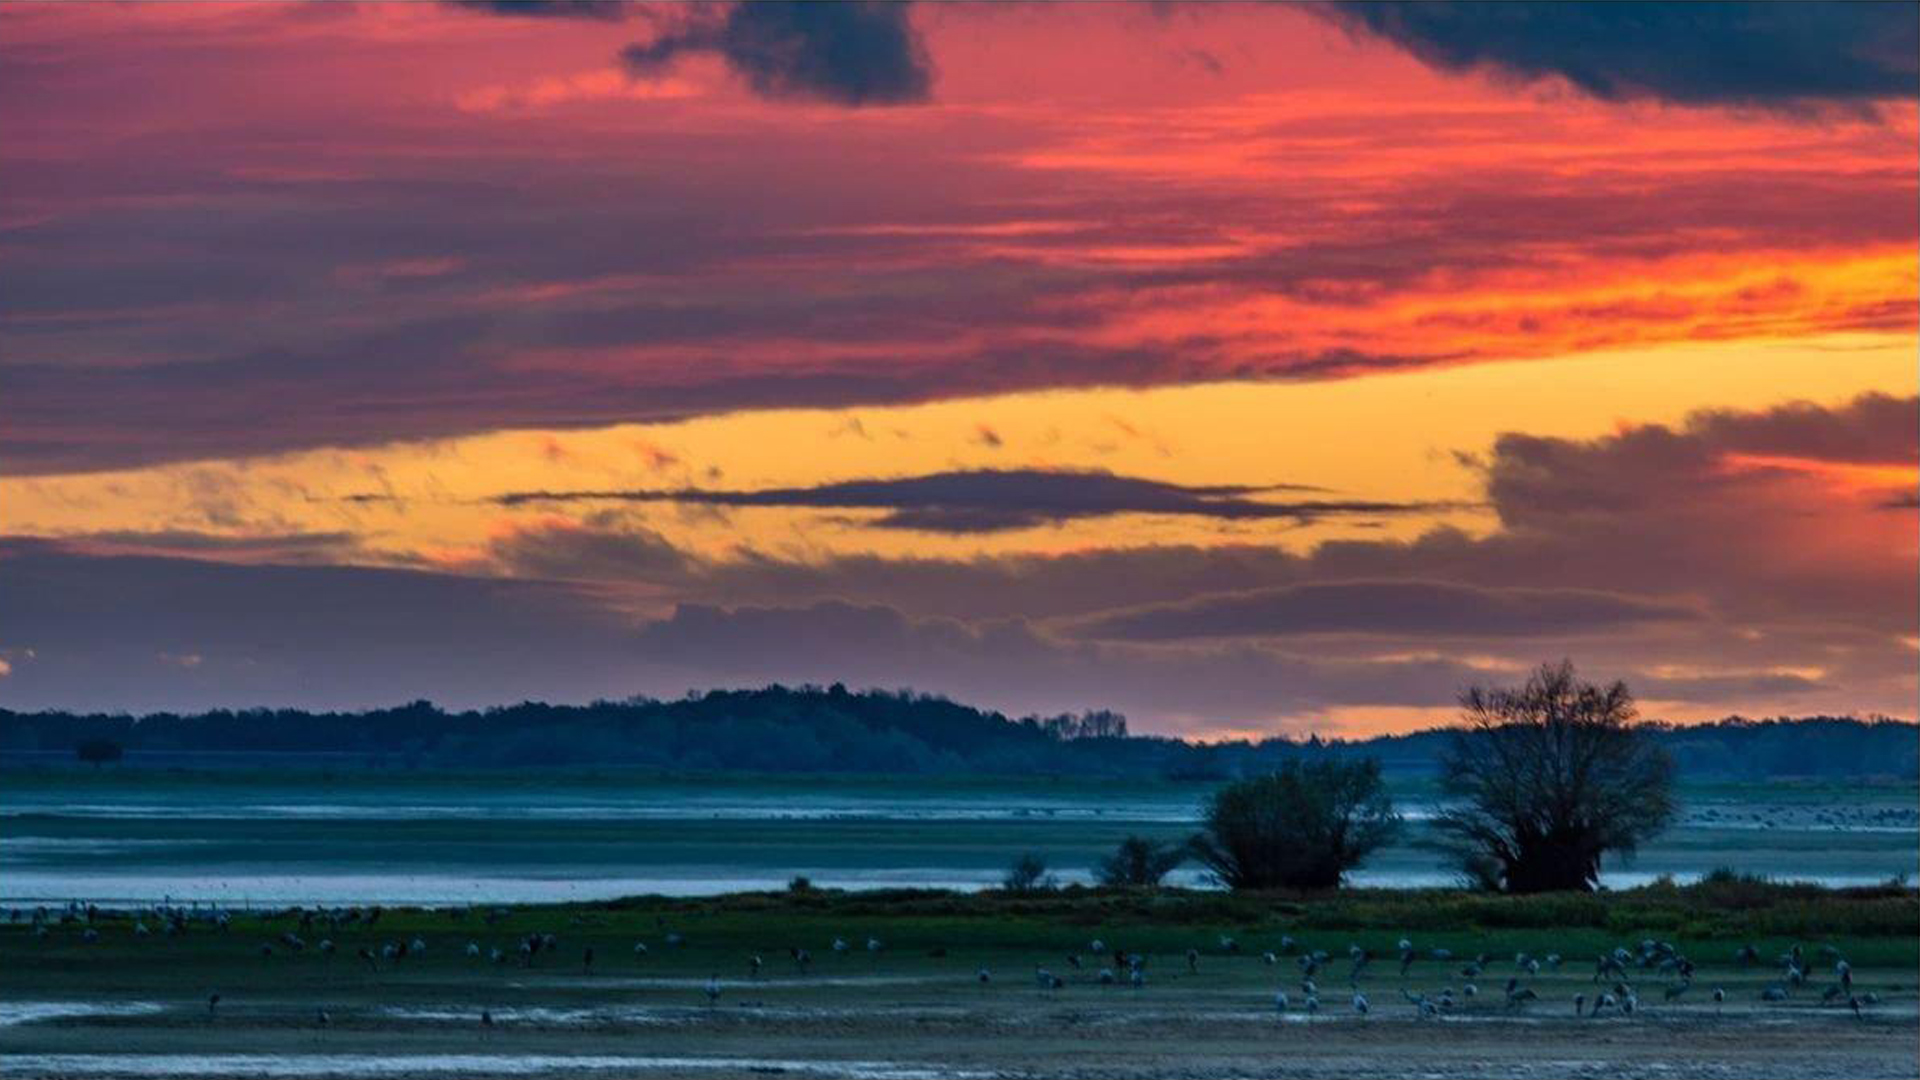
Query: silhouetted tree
[
  {"x": 1302, "y": 827},
  {"x": 1028, "y": 874},
  {"x": 1547, "y": 777},
  {"x": 1140, "y": 863},
  {"x": 97, "y": 752}
]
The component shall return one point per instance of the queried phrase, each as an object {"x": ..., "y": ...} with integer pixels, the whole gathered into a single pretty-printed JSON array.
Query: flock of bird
[{"x": 1617, "y": 981}]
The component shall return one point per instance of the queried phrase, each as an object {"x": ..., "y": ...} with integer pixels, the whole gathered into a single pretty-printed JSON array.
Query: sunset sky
[{"x": 1245, "y": 369}]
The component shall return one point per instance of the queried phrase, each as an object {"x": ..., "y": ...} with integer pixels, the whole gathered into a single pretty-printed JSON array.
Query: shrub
[
  {"x": 1028, "y": 874},
  {"x": 1302, "y": 827},
  {"x": 1140, "y": 863}
]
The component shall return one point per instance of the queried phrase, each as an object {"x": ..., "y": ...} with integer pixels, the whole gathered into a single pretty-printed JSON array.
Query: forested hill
[{"x": 809, "y": 729}]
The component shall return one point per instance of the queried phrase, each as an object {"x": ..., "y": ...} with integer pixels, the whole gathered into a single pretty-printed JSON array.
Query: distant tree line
[{"x": 813, "y": 729}]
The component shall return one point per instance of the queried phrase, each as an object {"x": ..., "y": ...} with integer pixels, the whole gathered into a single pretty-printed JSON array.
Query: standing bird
[
  {"x": 213, "y": 1002},
  {"x": 713, "y": 990},
  {"x": 983, "y": 976},
  {"x": 1280, "y": 1002},
  {"x": 1193, "y": 961},
  {"x": 1360, "y": 1003},
  {"x": 1719, "y": 998},
  {"x": 753, "y": 966}
]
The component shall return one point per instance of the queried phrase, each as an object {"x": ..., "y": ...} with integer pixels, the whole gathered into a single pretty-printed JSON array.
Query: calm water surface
[{"x": 136, "y": 836}]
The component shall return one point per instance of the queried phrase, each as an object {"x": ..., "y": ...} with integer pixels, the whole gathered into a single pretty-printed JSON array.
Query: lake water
[{"x": 247, "y": 837}]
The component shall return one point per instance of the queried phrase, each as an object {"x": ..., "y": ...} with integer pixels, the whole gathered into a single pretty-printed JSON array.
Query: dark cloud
[
  {"x": 1008, "y": 664},
  {"x": 1387, "y": 609},
  {"x": 1873, "y": 429},
  {"x": 1769, "y": 53},
  {"x": 856, "y": 52},
  {"x": 990, "y": 500},
  {"x": 145, "y": 632},
  {"x": 601, "y": 10}
]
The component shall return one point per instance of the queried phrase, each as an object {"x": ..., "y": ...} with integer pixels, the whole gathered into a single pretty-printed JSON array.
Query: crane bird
[
  {"x": 1312, "y": 1004},
  {"x": 1719, "y": 998},
  {"x": 1106, "y": 976},
  {"x": 840, "y": 946},
  {"x": 713, "y": 990},
  {"x": 1138, "y": 978},
  {"x": 1097, "y": 947},
  {"x": 1193, "y": 961},
  {"x": 983, "y": 976},
  {"x": 753, "y": 966},
  {"x": 1360, "y": 1003},
  {"x": 213, "y": 1002}
]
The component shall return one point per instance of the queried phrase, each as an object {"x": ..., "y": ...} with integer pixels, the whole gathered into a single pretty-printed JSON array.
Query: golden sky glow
[{"x": 1151, "y": 358}]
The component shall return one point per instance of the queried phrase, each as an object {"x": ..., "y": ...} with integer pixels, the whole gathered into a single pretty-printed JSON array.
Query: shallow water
[
  {"x": 375, "y": 1065},
  {"x": 261, "y": 838},
  {"x": 34, "y": 1012}
]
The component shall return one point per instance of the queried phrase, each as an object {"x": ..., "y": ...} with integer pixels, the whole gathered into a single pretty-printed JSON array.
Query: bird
[
  {"x": 486, "y": 1018},
  {"x": 983, "y": 976},
  {"x": 1719, "y": 998},
  {"x": 840, "y": 946},
  {"x": 1106, "y": 976},
  {"x": 753, "y": 966},
  {"x": 1360, "y": 1003},
  {"x": 213, "y": 1002},
  {"x": 639, "y": 948},
  {"x": 1269, "y": 959},
  {"x": 1138, "y": 978},
  {"x": 586, "y": 961},
  {"x": 1193, "y": 961},
  {"x": 713, "y": 990},
  {"x": 1312, "y": 1004},
  {"x": 1579, "y": 1004},
  {"x": 1280, "y": 1001},
  {"x": 473, "y": 949},
  {"x": 1073, "y": 961},
  {"x": 1097, "y": 947}
]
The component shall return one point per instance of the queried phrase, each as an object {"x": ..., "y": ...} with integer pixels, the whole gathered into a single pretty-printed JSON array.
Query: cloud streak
[{"x": 993, "y": 500}]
